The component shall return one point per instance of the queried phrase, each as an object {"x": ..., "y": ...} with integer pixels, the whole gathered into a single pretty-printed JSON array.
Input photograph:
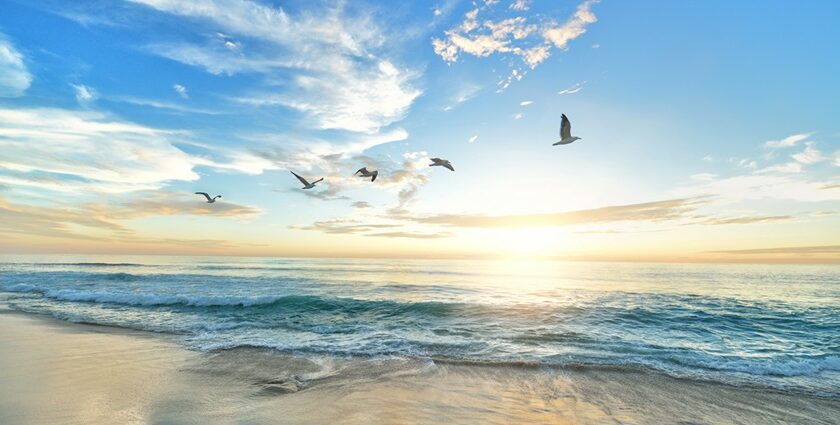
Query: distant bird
[
  {"x": 565, "y": 132},
  {"x": 306, "y": 184},
  {"x": 437, "y": 162},
  {"x": 209, "y": 199},
  {"x": 363, "y": 172}
]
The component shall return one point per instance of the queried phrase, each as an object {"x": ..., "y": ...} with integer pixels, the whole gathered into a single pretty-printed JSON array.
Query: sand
[{"x": 54, "y": 372}]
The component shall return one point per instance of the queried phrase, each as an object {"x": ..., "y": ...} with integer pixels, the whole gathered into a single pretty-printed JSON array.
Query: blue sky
[{"x": 709, "y": 129}]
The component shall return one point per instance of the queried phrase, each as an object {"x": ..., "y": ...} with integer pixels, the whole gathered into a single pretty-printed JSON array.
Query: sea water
[{"x": 764, "y": 326}]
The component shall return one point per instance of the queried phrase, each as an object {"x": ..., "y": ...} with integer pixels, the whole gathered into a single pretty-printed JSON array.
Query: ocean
[{"x": 773, "y": 327}]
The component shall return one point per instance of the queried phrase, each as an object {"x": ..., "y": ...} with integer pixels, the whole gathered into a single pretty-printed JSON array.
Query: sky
[{"x": 709, "y": 130}]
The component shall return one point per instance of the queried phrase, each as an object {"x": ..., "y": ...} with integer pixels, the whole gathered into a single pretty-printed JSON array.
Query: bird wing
[
  {"x": 436, "y": 160},
  {"x": 374, "y": 174},
  {"x": 205, "y": 195},
  {"x": 448, "y": 165},
  {"x": 316, "y": 181},
  {"x": 565, "y": 127},
  {"x": 362, "y": 170},
  {"x": 302, "y": 180}
]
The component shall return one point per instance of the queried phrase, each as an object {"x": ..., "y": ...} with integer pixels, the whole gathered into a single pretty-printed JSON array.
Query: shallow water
[{"x": 749, "y": 325}]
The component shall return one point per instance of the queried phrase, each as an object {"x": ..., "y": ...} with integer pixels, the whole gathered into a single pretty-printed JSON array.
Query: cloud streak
[
  {"x": 14, "y": 76},
  {"x": 657, "y": 211}
]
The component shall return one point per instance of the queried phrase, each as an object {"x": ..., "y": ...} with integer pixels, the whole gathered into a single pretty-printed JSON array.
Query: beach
[{"x": 55, "y": 372}]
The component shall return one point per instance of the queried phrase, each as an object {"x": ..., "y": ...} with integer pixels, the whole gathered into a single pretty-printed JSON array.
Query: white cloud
[
  {"x": 573, "y": 89},
  {"x": 561, "y": 35},
  {"x": 525, "y": 103},
  {"x": 789, "y": 167},
  {"x": 181, "y": 90},
  {"x": 518, "y": 116},
  {"x": 516, "y": 36},
  {"x": 473, "y": 138},
  {"x": 83, "y": 151},
  {"x": 437, "y": 11},
  {"x": 708, "y": 158},
  {"x": 160, "y": 105},
  {"x": 787, "y": 141},
  {"x": 521, "y": 5},
  {"x": 837, "y": 158},
  {"x": 341, "y": 78},
  {"x": 14, "y": 77},
  {"x": 810, "y": 155},
  {"x": 747, "y": 163},
  {"x": 89, "y": 147},
  {"x": 790, "y": 187},
  {"x": 84, "y": 93}
]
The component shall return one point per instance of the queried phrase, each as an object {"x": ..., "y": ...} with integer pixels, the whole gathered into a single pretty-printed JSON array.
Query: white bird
[
  {"x": 565, "y": 132},
  {"x": 209, "y": 199},
  {"x": 437, "y": 162},
  {"x": 306, "y": 184},
  {"x": 365, "y": 173}
]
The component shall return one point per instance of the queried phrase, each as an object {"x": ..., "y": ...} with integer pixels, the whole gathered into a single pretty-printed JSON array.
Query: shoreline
[{"x": 62, "y": 372}]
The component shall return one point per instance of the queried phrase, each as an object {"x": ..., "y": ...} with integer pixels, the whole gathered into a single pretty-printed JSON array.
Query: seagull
[
  {"x": 209, "y": 199},
  {"x": 306, "y": 184},
  {"x": 365, "y": 173},
  {"x": 565, "y": 132},
  {"x": 441, "y": 163}
]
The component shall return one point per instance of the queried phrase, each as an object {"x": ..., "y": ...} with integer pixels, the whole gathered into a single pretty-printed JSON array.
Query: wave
[
  {"x": 297, "y": 302},
  {"x": 89, "y": 264}
]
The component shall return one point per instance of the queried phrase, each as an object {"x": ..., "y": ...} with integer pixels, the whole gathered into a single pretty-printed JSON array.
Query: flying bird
[
  {"x": 437, "y": 162},
  {"x": 306, "y": 184},
  {"x": 363, "y": 172},
  {"x": 209, "y": 199},
  {"x": 565, "y": 132}
]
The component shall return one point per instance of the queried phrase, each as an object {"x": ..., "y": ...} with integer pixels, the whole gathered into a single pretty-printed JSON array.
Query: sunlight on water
[{"x": 766, "y": 326}]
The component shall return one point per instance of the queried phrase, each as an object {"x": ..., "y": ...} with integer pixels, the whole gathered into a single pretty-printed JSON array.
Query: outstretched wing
[
  {"x": 436, "y": 160},
  {"x": 205, "y": 195},
  {"x": 374, "y": 174},
  {"x": 302, "y": 180},
  {"x": 565, "y": 127},
  {"x": 316, "y": 181},
  {"x": 362, "y": 170},
  {"x": 448, "y": 165}
]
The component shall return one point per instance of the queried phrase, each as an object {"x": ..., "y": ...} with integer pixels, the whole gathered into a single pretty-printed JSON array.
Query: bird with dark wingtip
[
  {"x": 438, "y": 162},
  {"x": 209, "y": 199},
  {"x": 565, "y": 132},
  {"x": 364, "y": 172},
  {"x": 306, "y": 184}
]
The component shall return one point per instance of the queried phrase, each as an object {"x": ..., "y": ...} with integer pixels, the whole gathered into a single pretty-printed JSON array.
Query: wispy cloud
[
  {"x": 104, "y": 222},
  {"x": 14, "y": 76},
  {"x": 342, "y": 79},
  {"x": 473, "y": 138},
  {"x": 152, "y": 103},
  {"x": 84, "y": 94},
  {"x": 525, "y": 102},
  {"x": 649, "y": 211},
  {"x": 521, "y": 5},
  {"x": 796, "y": 250},
  {"x": 91, "y": 151},
  {"x": 787, "y": 141},
  {"x": 181, "y": 90},
  {"x": 573, "y": 89},
  {"x": 717, "y": 221}
]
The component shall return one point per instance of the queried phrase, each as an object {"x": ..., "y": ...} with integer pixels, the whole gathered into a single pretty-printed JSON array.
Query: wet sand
[{"x": 53, "y": 372}]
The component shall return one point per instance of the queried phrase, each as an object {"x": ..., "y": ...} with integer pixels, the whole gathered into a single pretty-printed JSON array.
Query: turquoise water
[{"x": 754, "y": 325}]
